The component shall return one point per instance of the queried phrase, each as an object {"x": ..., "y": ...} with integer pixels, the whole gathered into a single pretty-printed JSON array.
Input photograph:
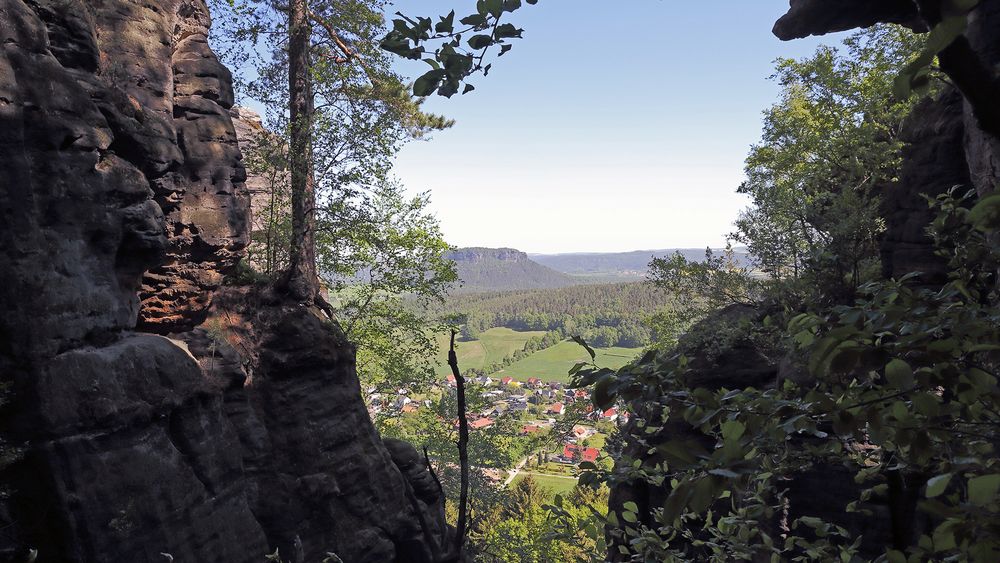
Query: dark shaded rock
[
  {"x": 79, "y": 227},
  {"x": 933, "y": 162},
  {"x": 204, "y": 200},
  {"x": 129, "y": 459},
  {"x": 819, "y": 17},
  {"x": 315, "y": 464},
  {"x": 119, "y": 157}
]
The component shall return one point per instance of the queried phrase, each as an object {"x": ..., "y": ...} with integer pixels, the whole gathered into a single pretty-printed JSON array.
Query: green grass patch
[
  {"x": 558, "y": 485},
  {"x": 554, "y": 362},
  {"x": 492, "y": 346},
  {"x": 597, "y": 441}
]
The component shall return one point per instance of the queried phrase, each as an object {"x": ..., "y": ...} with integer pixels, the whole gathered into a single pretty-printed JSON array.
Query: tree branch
[{"x": 463, "y": 447}]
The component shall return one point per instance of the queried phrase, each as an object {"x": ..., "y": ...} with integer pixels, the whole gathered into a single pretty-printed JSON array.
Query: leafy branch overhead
[{"x": 454, "y": 52}]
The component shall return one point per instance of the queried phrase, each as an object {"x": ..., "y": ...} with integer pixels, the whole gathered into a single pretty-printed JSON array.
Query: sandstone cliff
[{"x": 123, "y": 205}]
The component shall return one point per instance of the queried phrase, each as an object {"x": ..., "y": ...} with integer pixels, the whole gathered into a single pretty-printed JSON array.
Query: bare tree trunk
[
  {"x": 301, "y": 279},
  {"x": 463, "y": 449}
]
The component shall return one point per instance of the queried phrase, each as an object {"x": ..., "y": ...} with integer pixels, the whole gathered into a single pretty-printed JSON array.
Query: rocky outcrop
[
  {"x": 318, "y": 478},
  {"x": 203, "y": 197},
  {"x": 819, "y": 17},
  {"x": 933, "y": 162},
  {"x": 122, "y": 204}
]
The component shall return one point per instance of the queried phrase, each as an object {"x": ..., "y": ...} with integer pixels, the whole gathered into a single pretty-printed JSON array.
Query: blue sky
[{"x": 611, "y": 126}]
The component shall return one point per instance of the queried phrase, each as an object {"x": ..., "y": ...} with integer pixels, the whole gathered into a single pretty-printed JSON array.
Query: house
[
  {"x": 581, "y": 394},
  {"x": 401, "y": 402},
  {"x": 573, "y": 452},
  {"x": 484, "y": 380},
  {"x": 410, "y": 407},
  {"x": 583, "y": 432},
  {"x": 610, "y": 414},
  {"x": 518, "y": 407},
  {"x": 530, "y": 429},
  {"x": 534, "y": 382},
  {"x": 481, "y": 423},
  {"x": 450, "y": 380},
  {"x": 556, "y": 408},
  {"x": 506, "y": 380}
]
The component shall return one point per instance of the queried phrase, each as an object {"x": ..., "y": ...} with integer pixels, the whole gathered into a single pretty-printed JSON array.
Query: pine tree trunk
[{"x": 301, "y": 279}]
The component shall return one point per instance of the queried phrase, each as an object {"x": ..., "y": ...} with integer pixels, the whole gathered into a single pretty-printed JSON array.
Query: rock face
[{"x": 120, "y": 177}]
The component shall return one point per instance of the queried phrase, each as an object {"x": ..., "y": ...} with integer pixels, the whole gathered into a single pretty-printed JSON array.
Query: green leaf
[
  {"x": 985, "y": 215},
  {"x": 583, "y": 343},
  {"x": 447, "y": 23},
  {"x": 629, "y": 517},
  {"x": 474, "y": 20},
  {"x": 732, "y": 430},
  {"x": 899, "y": 374},
  {"x": 724, "y": 473},
  {"x": 603, "y": 397},
  {"x": 428, "y": 82},
  {"x": 507, "y": 30},
  {"x": 937, "y": 485},
  {"x": 983, "y": 489},
  {"x": 631, "y": 507},
  {"x": 477, "y": 42}
]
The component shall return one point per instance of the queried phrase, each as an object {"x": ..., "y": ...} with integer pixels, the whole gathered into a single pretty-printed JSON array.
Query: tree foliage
[
  {"x": 454, "y": 51},
  {"x": 829, "y": 146}
]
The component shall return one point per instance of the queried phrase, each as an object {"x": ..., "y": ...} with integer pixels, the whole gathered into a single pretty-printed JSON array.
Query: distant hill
[
  {"x": 503, "y": 269},
  {"x": 623, "y": 265}
]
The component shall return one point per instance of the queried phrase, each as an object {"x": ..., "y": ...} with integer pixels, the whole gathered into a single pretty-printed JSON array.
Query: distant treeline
[{"x": 603, "y": 314}]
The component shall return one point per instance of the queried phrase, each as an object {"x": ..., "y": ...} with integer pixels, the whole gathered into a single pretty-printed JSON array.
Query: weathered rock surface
[
  {"x": 119, "y": 157},
  {"x": 316, "y": 469}
]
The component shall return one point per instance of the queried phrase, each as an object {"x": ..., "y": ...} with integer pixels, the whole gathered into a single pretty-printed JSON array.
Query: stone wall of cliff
[{"x": 122, "y": 208}]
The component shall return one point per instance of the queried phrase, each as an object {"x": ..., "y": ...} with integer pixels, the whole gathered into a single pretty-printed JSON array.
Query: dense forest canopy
[{"x": 607, "y": 314}]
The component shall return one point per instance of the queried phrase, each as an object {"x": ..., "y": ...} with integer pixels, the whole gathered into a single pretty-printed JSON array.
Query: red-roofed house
[
  {"x": 533, "y": 381},
  {"x": 410, "y": 407},
  {"x": 610, "y": 414},
  {"x": 530, "y": 429},
  {"x": 572, "y": 452},
  {"x": 506, "y": 380},
  {"x": 481, "y": 423},
  {"x": 556, "y": 408}
]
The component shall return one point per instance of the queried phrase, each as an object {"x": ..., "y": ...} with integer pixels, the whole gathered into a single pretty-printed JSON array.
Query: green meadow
[
  {"x": 554, "y": 362},
  {"x": 492, "y": 346}
]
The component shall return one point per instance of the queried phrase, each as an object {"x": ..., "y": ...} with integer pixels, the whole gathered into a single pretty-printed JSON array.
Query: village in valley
[{"x": 560, "y": 425}]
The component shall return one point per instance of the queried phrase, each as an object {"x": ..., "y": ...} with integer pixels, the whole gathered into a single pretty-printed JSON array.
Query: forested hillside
[
  {"x": 634, "y": 264},
  {"x": 612, "y": 314}
]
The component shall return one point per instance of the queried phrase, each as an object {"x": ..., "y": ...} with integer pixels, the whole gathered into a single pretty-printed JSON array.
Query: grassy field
[
  {"x": 558, "y": 485},
  {"x": 493, "y": 345},
  {"x": 553, "y": 363}
]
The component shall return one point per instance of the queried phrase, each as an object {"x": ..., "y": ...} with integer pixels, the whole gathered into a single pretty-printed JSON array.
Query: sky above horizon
[{"x": 612, "y": 126}]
